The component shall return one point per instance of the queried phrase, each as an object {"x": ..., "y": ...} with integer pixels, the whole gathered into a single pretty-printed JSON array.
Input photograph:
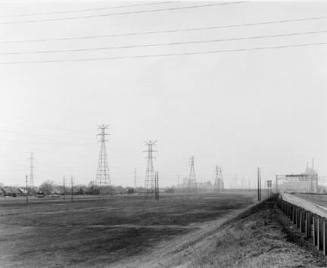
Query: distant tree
[
  {"x": 47, "y": 187},
  {"x": 92, "y": 189},
  {"x": 170, "y": 190}
]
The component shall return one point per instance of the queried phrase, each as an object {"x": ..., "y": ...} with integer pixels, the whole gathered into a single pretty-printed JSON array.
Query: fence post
[
  {"x": 324, "y": 237},
  {"x": 307, "y": 224},
  {"x": 318, "y": 233},
  {"x": 314, "y": 230}
]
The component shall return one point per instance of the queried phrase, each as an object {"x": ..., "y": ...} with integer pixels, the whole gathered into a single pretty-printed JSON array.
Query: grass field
[{"x": 90, "y": 232}]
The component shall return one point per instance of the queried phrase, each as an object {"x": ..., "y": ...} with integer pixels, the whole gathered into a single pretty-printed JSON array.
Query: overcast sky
[{"x": 238, "y": 110}]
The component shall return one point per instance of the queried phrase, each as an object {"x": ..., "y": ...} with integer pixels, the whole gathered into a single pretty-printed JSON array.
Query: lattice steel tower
[
  {"x": 192, "y": 176},
  {"x": 102, "y": 175},
  {"x": 219, "y": 182},
  {"x": 149, "y": 182}
]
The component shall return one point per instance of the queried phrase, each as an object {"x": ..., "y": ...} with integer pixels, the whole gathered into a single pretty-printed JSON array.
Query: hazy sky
[{"x": 239, "y": 110}]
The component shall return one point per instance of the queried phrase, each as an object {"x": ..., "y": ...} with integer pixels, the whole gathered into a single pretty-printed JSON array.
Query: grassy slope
[{"x": 264, "y": 238}]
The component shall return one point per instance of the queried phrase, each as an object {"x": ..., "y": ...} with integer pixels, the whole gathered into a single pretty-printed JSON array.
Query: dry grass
[
  {"x": 257, "y": 239},
  {"x": 100, "y": 232}
]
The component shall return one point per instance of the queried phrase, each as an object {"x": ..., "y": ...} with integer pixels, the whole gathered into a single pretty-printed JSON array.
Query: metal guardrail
[{"x": 309, "y": 218}]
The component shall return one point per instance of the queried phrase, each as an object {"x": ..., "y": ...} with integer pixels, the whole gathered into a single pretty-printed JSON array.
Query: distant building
[
  {"x": 306, "y": 182},
  {"x": 12, "y": 191}
]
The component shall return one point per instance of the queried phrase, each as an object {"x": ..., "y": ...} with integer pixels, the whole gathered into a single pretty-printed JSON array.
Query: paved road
[{"x": 317, "y": 204}]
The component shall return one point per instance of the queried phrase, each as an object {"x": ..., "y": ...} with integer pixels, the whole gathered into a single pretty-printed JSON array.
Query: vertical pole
[
  {"x": 72, "y": 189},
  {"x": 259, "y": 190},
  {"x": 318, "y": 232},
  {"x": 306, "y": 225},
  {"x": 157, "y": 186},
  {"x": 314, "y": 230},
  {"x": 276, "y": 183},
  {"x": 324, "y": 237},
  {"x": 26, "y": 189},
  {"x": 298, "y": 218},
  {"x": 321, "y": 238},
  {"x": 303, "y": 216},
  {"x": 64, "y": 187}
]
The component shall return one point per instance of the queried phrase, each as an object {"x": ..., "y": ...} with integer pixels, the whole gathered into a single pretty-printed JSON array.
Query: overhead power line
[
  {"x": 221, "y": 51},
  {"x": 119, "y": 13},
  {"x": 169, "y": 31},
  {"x": 85, "y": 10},
  {"x": 165, "y": 44}
]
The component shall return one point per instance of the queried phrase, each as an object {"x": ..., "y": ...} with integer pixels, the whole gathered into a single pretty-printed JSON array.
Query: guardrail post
[
  {"x": 314, "y": 230},
  {"x": 307, "y": 224},
  {"x": 298, "y": 211},
  {"x": 302, "y": 226},
  {"x": 294, "y": 214},
  {"x": 324, "y": 236},
  {"x": 319, "y": 236}
]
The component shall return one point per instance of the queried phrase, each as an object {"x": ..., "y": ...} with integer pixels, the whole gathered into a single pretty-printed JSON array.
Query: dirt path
[{"x": 171, "y": 253}]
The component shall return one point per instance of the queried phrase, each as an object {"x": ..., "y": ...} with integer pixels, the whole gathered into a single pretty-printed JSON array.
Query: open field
[{"x": 93, "y": 232}]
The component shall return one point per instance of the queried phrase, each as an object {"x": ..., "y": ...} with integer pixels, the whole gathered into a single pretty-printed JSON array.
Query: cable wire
[
  {"x": 86, "y": 9},
  {"x": 120, "y": 13},
  {"x": 166, "y": 55},
  {"x": 169, "y": 31},
  {"x": 164, "y": 44}
]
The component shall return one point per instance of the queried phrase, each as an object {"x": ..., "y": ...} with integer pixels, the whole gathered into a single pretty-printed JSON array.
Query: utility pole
[
  {"x": 72, "y": 189},
  {"x": 156, "y": 182},
  {"x": 26, "y": 189},
  {"x": 102, "y": 175},
  {"x": 149, "y": 175},
  {"x": 269, "y": 186},
  {"x": 31, "y": 184},
  {"x": 192, "y": 176},
  {"x": 259, "y": 185},
  {"x": 64, "y": 186}
]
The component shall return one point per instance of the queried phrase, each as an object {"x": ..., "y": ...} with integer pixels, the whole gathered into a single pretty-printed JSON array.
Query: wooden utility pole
[
  {"x": 26, "y": 189},
  {"x": 72, "y": 189},
  {"x": 64, "y": 187},
  {"x": 259, "y": 185}
]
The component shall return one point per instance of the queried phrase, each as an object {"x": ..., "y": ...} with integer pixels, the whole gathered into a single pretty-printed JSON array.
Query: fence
[{"x": 313, "y": 225}]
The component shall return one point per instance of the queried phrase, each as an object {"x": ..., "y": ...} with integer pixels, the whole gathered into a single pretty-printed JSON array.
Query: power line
[
  {"x": 169, "y": 31},
  {"x": 167, "y": 54},
  {"x": 119, "y": 13},
  {"x": 164, "y": 44},
  {"x": 86, "y": 9}
]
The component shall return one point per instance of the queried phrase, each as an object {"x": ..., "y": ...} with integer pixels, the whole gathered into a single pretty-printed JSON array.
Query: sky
[{"x": 240, "y": 110}]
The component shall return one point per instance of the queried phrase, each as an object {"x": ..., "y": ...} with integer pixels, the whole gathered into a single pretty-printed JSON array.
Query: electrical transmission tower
[
  {"x": 149, "y": 182},
  {"x": 31, "y": 181},
  {"x": 192, "y": 176},
  {"x": 102, "y": 175},
  {"x": 156, "y": 186},
  {"x": 219, "y": 182}
]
